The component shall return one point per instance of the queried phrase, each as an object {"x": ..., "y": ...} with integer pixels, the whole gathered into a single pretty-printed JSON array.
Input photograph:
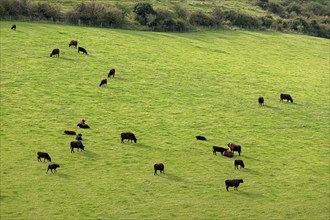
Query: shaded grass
[{"x": 168, "y": 88}]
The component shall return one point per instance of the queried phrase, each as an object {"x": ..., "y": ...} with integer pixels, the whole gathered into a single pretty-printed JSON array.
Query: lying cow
[
  {"x": 82, "y": 125},
  {"x": 55, "y": 52},
  {"x": 73, "y": 43},
  {"x": 233, "y": 183},
  {"x": 76, "y": 144},
  {"x": 129, "y": 136},
  {"x": 261, "y": 100},
  {"x": 69, "y": 132},
  {"x": 287, "y": 97},
  {"x": 218, "y": 149},
  {"x": 160, "y": 167},
  {"x": 103, "y": 82},
  {"x": 238, "y": 163},
  {"x": 43, "y": 155},
  {"x": 235, "y": 147},
  {"x": 201, "y": 138},
  {"x": 83, "y": 50},
  {"x": 112, "y": 73},
  {"x": 228, "y": 153},
  {"x": 52, "y": 167}
]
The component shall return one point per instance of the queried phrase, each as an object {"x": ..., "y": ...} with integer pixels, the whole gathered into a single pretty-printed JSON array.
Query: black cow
[
  {"x": 52, "y": 167},
  {"x": 235, "y": 147},
  {"x": 228, "y": 153},
  {"x": 56, "y": 51},
  {"x": 13, "y": 27},
  {"x": 82, "y": 125},
  {"x": 83, "y": 50},
  {"x": 287, "y": 97},
  {"x": 112, "y": 73},
  {"x": 79, "y": 137},
  {"x": 129, "y": 136},
  {"x": 76, "y": 144},
  {"x": 201, "y": 138},
  {"x": 218, "y": 149},
  {"x": 43, "y": 155},
  {"x": 261, "y": 100},
  {"x": 160, "y": 167},
  {"x": 70, "y": 132},
  {"x": 103, "y": 82},
  {"x": 73, "y": 43},
  {"x": 233, "y": 183},
  {"x": 238, "y": 163}
]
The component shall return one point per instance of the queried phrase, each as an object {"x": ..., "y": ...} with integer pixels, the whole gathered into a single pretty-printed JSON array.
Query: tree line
[{"x": 308, "y": 17}]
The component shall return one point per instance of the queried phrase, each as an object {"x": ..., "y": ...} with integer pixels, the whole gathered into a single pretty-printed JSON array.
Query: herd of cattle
[{"x": 227, "y": 152}]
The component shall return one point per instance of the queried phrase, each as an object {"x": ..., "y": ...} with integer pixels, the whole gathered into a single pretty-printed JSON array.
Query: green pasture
[{"x": 168, "y": 88}]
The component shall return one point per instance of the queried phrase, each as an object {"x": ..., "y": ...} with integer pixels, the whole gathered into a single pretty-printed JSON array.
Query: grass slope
[{"x": 167, "y": 89}]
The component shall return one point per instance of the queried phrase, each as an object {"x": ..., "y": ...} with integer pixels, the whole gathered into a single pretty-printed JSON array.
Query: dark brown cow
[
  {"x": 52, "y": 167},
  {"x": 70, "y": 132},
  {"x": 238, "y": 163},
  {"x": 55, "y": 52},
  {"x": 160, "y": 167},
  {"x": 112, "y": 73},
  {"x": 43, "y": 155},
  {"x": 103, "y": 82},
  {"x": 13, "y": 27},
  {"x": 82, "y": 125},
  {"x": 233, "y": 183},
  {"x": 83, "y": 50},
  {"x": 76, "y": 144},
  {"x": 129, "y": 136},
  {"x": 261, "y": 100},
  {"x": 216, "y": 149},
  {"x": 235, "y": 147},
  {"x": 79, "y": 137},
  {"x": 228, "y": 153},
  {"x": 287, "y": 97},
  {"x": 73, "y": 43}
]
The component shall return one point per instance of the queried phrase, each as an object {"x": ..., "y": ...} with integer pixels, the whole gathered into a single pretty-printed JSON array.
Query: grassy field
[{"x": 168, "y": 88}]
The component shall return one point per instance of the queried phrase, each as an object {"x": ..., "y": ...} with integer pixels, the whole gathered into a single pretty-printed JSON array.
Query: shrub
[
  {"x": 262, "y": 4},
  {"x": 115, "y": 17},
  {"x": 180, "y": 12},
  {"x": 242, "y": 20},
  {"x": 276, "y": 9},
  {"x": 142, "y": 11},
  {"x": 47, "y": 11},
  {"x": 299, "y": 24},
  {"x": 267, "y": 21},
  {"x": 201, "y": 19},
  {"x": 294, "y": 7},
  {"x": 218, "y": 15}
]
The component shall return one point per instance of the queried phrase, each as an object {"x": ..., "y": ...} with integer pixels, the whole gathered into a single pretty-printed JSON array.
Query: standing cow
[
  {"x": 216, "y": 149},
  {"x": 13, "y": 27},
  {"x": 235, "y": 147},
  {"x": 103, "y": 82},
  {"x": 73, "y": 43},
  {"x": 129, "y": 136},
  {"x": 287, "y": 97},
  {"x": 261, "y": 100},
  {"x": 83, "y": 50},
  {"x": 55, "y": 52},
  {"x": 43, "y": 155},
  {"x": 52, "y": 167},
  {"x": 76, "y": 144},
  {"x": 160, "y": 167},
  {"x": 112, "y": 73},
  {"x": 238, "y": 163},
  {"x": 233, "y": 183}
]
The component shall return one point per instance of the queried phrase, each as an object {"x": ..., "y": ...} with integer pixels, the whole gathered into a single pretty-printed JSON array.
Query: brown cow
[
  {"x": 235, "y": 147},
  {"x": 56, "y": 51},
  {"x": 70, "y": 132},
  {"x": 228, "y": 153},
  {"x": 160, "y": 167},
  {"x": 128, "y": 136},
  {"x": 73, "y": 43}
]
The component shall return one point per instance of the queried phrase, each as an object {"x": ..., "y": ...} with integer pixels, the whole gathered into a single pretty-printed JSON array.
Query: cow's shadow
[
  {"x": 171, "y": 177},
  {"x": 63, "y": 175},
  {"x": 90, "y": 154},
  {"x": 248, "y": 194}
]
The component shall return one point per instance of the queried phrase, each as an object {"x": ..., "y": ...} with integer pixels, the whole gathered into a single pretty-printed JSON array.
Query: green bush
[
  {"x": 199, "y": 18},
  {"x": 242, "y": 20},
  {"x": 143, "y": 11}
]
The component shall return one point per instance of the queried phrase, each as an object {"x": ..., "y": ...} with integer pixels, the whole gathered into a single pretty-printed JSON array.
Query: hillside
[
  {"x": 168, "y": 88},
  {"x": 308, "y": 17}
]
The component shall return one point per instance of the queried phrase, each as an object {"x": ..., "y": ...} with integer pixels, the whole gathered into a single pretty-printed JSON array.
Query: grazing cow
[
  {"x": 261, "y": 100},
  {"x": 103, "y": 82},
  {"x": 160, "y": 167},
  {"x": 76, "y": 144},
  {"x": 235, "y": 147},
  {"x": 233, "y": 183},
  {"x": 201, "y": 138},
  {"x": 52, "y": 167},
  {"x": 13, "y": 27},
  {"x": 228, "y": 153},
  {"x": 129, "y": 136},
  {"x": 70, "y": 132},
  {"x": 218, "y": 149},
  {"x": 82, "y": 125},
  {"x": 239, "y": 163},
  {"x": 43, "y": 155},
  {"x": 83, "y": 50},
  {"x": 112, "y": 73},
  {"x": 287, "y": 97},
  {"x": 79, "y": 137},
  {"x": 55, "y": 52},
  {"x": 73, "y": 43}
]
